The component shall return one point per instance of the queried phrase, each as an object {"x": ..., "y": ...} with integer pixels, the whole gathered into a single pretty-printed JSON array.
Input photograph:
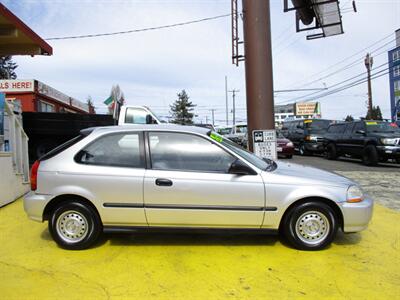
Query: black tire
[
  {"x": 318, "y": 214},
  {"x": 397, "y": 160},
  {"x": 303, "y": 151},
  {"x": 80, "y": 217},
  {"x": 331, "y": 152},
  {"x": 289, "y": 156},
  {"x": 370, "y": 156}
]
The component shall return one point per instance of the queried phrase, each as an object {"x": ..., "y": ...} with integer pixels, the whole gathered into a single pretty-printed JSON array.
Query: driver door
[{"x": 188, "y": 185}]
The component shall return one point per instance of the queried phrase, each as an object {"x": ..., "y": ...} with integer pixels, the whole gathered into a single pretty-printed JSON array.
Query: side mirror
[
  {"x": 240, "y": 168},
  {"x": 360, "y": 132}
]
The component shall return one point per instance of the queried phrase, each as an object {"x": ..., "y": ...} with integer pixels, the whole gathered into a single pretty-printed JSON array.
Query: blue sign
[{"x": 2, "y": 100}]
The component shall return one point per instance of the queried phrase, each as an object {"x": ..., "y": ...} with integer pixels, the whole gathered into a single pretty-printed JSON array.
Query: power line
[
  {"x": 345, "y": 59},
  {"x": 138, "y": 30}
]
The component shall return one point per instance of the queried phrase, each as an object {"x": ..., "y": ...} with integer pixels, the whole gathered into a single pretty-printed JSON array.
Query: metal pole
[
  {"x": 234, "y": 105},
  {"x": 368, "y": 64},
  {"x": 212, "y": 116},
  {"x": 226, "y": 99},
  {"x": 258, "y": 62}
]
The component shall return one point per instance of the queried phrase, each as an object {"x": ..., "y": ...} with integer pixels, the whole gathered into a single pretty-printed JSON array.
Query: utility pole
[
  {"x": 234, "y": 105},
  {"x": 206, "y": 119},
  {"x": 212, "y": 116},
  {"x": 368, "y": 64},
  {"x": 258, "y": 62},
  {"x": 226, "y": 100}
]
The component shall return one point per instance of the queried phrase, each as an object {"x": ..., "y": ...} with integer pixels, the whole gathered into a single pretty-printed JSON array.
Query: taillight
[{"x": 34, "y": 171}]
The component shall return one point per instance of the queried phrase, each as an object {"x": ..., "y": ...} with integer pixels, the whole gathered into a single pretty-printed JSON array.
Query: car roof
[{"x": 147, "y": 127}]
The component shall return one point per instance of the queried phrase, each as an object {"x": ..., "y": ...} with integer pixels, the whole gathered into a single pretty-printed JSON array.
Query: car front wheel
[
  {"x": 74, "y": 225},
  {"x": 310, "y": 226}
]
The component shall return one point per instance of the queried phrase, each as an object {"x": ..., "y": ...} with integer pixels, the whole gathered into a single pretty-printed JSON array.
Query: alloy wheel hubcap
[
  {"x": 312, "y": 227},
  {"x": 72, "y": 226}
]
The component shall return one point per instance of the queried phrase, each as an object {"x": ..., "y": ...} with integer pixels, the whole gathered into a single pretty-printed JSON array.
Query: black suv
[
  {"x": 306, "y": 134},
  {"x": 372, "y": 141}
]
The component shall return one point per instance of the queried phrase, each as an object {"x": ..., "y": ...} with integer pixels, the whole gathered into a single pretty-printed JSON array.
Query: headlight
[
  {"x": 354, "y": 194},
  {"x": 311, "y": 138},
  {"x": 290, "y": 144},
  {"x": 389, "y": 141}
]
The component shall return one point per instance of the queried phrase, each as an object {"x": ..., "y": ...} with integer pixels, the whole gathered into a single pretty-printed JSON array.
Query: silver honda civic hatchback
[{"x": 168, "y": 177}]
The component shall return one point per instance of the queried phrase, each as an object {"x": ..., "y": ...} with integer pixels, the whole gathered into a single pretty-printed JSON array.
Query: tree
[
  {"x": 349, "y": 118},
  {"x": 89, "y": 102},
  {"x": 181, "y": 109},
  {"x": 374, "y": 114},
  {"x": 7, "y": 67}
]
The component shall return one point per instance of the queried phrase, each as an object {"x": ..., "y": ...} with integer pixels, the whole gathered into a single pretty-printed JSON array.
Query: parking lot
[{"x": 209, "y": 266}]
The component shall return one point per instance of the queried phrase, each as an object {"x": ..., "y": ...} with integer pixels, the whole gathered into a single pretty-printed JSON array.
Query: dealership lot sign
[
  {"x": 9, "y": 86},
  {"x": 308, "y": 109}
]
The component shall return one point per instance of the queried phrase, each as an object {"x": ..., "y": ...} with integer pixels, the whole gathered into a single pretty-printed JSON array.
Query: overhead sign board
[
  {"x": 264, "y": 143},
  {"x": 14, "y": 85},
  {"x": 307, "y": 109}
]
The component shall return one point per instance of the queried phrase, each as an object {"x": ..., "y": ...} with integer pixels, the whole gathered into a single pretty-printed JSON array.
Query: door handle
[{"x": 163, "y": 182}]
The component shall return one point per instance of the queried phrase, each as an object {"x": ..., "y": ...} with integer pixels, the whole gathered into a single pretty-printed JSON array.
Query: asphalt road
[
  {"x": 343, "y": 164},
  {"x": 382, "y": 182}
]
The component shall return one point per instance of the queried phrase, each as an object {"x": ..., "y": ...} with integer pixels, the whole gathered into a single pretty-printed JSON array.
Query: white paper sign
[{"x": 264, "y": 143}]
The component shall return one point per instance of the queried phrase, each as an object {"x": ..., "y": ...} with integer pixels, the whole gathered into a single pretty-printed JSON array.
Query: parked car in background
[
  {"x": 209, "y": 126},
  {"x": 127, "y": 178},
  {"x": 285, "y": 147},
  {"x": 238, "y": 134},
  {"x": 372, "y": 141},
  {"x": 306, "y": 134},
  {"x": 224, "y": 130}
]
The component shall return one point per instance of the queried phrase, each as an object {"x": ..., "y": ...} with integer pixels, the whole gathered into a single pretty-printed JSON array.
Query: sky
[{"x": 151, "y": 67}]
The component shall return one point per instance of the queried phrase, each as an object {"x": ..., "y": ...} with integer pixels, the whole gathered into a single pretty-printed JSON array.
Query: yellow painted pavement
[{"x": 198, "y": 266}]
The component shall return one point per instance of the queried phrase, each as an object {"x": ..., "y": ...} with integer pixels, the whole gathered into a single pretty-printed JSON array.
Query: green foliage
[
  {"x": 349, "y": 118},
  {"x": 375, "y": 114},
  {"x": 7, "y": 68},
  {"x": 181, "y": 109}
]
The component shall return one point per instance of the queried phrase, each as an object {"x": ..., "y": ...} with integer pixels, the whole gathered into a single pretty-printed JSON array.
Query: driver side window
[{"x": 187, "y": 152}]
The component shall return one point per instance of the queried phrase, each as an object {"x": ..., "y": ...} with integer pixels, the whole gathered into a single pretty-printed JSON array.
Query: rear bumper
[
  {"x": 356, "y": 216},
  {"x": 34, "y": 205}
]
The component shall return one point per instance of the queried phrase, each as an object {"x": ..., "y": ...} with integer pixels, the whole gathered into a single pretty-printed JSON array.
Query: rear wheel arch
[
  {"x": 56, "y": 201},
  {"x": 332, "y": 204}
]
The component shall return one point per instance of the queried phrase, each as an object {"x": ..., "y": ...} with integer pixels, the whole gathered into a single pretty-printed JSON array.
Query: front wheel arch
[
  {"x": 56, "y": 201},
  {"x": 330, "y": 203}
]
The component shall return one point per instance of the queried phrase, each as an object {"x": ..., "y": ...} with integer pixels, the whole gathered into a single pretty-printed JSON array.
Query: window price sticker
[{"x": 264, "y": 143}]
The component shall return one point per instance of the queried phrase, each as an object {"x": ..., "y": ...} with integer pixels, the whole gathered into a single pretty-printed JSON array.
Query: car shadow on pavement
[
  {"x": 190, "y": 239},
  {"x": 347, "y": 238}
]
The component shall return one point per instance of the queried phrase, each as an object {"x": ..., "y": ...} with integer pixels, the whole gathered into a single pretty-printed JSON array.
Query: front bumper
[
  {"x": 389, "y": 151},
  {"x": 34, "y": 205},
  {"x": 313, "y": 146},
  {"x": 356, "y": 216}
]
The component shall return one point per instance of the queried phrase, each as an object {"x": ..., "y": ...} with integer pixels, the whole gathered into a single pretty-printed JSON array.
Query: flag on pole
[{"x": 109, "y": 101}]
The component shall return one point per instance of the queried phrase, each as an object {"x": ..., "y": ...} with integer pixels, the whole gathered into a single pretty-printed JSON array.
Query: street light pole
[
  {"x": 258, "y": 63},
  {"x": 226, "y": 100},
  {"x": 234, "y": 105}
]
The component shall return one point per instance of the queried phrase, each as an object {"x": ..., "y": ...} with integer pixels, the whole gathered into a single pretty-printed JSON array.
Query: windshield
[
  {"x": 241, "y": 129},
  {"x": 248, "y": 156},
  {"x": 224, "y": 131},
  {"x": 317, "y": 125},
  {"x": 385, "y": 127}
]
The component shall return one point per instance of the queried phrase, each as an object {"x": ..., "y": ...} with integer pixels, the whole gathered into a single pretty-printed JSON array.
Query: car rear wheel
[
  {"x": 74, "y": 225},
  {"x": 370, "y": 156},
  {"x": 310, "y": 226}
]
